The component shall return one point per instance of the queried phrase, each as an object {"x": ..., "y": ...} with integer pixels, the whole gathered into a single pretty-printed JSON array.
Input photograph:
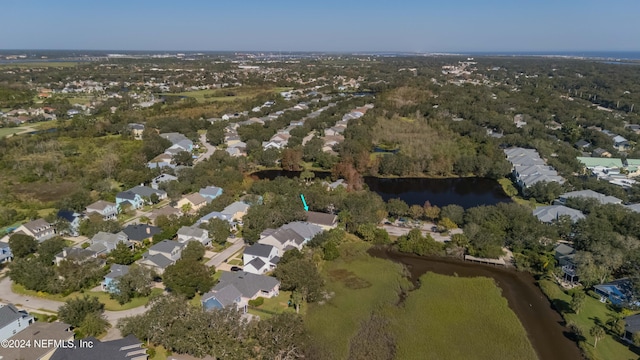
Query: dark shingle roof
[
  {"x": 68, "y": 215},
  {"x": 632, "y": 323},
  {"x": 165, "y": 246},
  {"x": 258, "y": 249},
  {"x": 127, "y": 195},
  {"x": 140, "y": 232},
  {"x": 248, "y": 284},
  {"x": 257, "y": 263},
  {"x": 122, "y": 349},
  {"x": 321, "y": 218},
  {"x": 8, "y": 314}
]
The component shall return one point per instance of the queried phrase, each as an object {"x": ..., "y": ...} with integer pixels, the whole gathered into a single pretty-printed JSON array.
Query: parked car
[
  {"x": 236, "y": 268},
  {"x": 434, "y": 228}
]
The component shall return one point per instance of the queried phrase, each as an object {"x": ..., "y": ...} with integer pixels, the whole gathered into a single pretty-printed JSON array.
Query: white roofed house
[
  {"x": 194, "y": 233},
  {"x": 260, "y": 258},
  {"x": 38, "y": 229},
  {"x": 551, "y": 213},
  {"x": 588, "y": 194},
  {"x": 236, "y": 211},
  {"x": 155, "y": 183}
]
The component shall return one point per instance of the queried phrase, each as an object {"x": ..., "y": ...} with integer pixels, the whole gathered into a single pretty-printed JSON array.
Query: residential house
[
  {"x": 192, "y": 203},
  {"x": 138, "y": 233},
  {"x": 621, "y": 144},
  {"x": 167, "y": 211},
  {"x": 631, "y": 327},
  {"x": 76, "y": 254},
  {"x": 194, "y": 233},
  {"x": 210, "y": 192},
  {"x": 48, "y": 335},
  {"x": 601, "y": 153},
  {"x": 324, "y": 220},
  {"x": 564, "y": 255},
  {"x": 104, "y": 242},
  {"x": 111, "y": 279},
  {"x": 129, "y": 198},
  {"x": 250, "y": 286},
  {"x": 260, "y": 258},
  {"x": 73, "y": 219},
  {"x": 582, "y": 144},
  {"x": 282, "y": 239},
  {"x": 587, "y": 194},
  {"x": 136, "y": 130},
  {"x": 177, "y": 138},
  {"x": 551, "y": 213},
  {"x": 161, "y": 161},
  {"x": 223, "y": 297},
  {"x": 129, "y": 348},
  {"x": 619, "y": 292},
  {"x": 146, "y": 192},
  {"x": 236, "y": 211},
  {"x": 305, "y": 229},
  {"x": 12, "y": 321},
  {"x": 162, "y": 255},
  {"x": 162, "y": 178},
  {"x": 336, "y": 184},
  {"x": 5, "y": 253},
  {"x": 38, "y": 229},
  {"x": 529, "y": 169}
]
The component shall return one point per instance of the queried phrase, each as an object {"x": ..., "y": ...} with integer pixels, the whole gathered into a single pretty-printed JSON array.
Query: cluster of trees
[
  {"x": 188, "y": 276},
  {"x": 33, "y": 267},
  {"x": 298, "y": 273},
  {"x": 223, "y": 333},
  {"x": 85, "y": 314},
  {"x": 138, "y": 282}
]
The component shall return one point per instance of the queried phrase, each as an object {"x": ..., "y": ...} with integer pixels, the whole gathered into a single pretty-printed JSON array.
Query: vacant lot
[
  {"x": 8, "y": 131},
  {"x": 50, "y": 192},
  {"x": 458, "y": 318},
  {"x": 358, "y": 287}
]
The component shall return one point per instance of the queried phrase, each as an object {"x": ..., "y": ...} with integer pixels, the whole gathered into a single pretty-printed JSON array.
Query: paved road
[
  {"x": 238, "y": 243},
  {"x": 38, "y": 304},
  {"x": 210, "y": 149}
]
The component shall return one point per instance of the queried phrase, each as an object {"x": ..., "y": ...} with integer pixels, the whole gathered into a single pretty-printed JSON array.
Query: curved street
[{"x": 36, "y": 304}]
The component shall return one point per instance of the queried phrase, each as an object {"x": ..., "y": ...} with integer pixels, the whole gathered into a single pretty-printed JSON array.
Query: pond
[
  {"x": 543, "y": 324},
  {"x": 466, "y": 192}
]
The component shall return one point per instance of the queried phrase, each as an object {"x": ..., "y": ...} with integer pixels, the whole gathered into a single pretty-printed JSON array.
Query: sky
[{"x": 329, "y": 25}]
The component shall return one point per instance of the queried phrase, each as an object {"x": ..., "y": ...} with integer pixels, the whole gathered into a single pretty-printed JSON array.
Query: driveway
[
  {"x": 210, "y": 149},
  {"x": 238, "y": 244}
]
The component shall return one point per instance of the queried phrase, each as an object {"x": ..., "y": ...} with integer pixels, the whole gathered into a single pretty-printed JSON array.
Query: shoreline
[{"x": 543, "y": 324}]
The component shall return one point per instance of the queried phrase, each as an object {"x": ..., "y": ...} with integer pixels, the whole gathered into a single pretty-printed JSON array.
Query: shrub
[
  {"x": 256, "y": 302},
  {"x": 593, "y": 294}
]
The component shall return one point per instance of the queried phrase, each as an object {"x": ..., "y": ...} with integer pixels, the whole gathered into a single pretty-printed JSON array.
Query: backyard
[{"x": 592, "y": 312}]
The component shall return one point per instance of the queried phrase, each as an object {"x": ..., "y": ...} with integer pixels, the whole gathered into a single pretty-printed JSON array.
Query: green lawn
[
  {"x": 456, "y": 318},
  {"x": 275, "y": 305},
  {"x": 109, "y": 304},
  {"x": 592, "y": 311},
  {"x": 360, "y": 287},
  {"x": 8, "y": 131}
]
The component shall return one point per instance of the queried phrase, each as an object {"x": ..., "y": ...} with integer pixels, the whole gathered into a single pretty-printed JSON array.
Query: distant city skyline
[{"x": 426, "y": 26}]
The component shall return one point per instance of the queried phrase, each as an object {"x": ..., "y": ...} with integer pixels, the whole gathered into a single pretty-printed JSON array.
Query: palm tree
[{"x": 598, "y": 333}]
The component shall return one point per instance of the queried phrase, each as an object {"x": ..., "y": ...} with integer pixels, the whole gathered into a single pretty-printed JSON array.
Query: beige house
[{"x": 192, "y": 202}]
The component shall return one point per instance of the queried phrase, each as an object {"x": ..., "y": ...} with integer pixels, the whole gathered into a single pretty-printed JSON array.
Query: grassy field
[
  {"x": 109, "y": 304},
  {"x": 8, "y": 131},
  {"x": 218, "y": 95},
  {"x": 359, "y": 287},
  {"x": 593, "y": 311},
  {"x": 456, "y": 318},
  {"x": 275, "y": 305}
]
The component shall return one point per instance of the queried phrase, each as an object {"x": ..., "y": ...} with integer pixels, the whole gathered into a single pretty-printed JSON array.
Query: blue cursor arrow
[{"x": 304, "y": 202}]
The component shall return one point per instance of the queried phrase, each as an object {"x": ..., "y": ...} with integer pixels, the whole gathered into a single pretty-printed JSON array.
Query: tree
[
  {"x": 416, "y": 212},
  {"x": 307, "y": 176},
  {"x": 188, "y": 277},
  {"x": 183, "y": 158},
  {"x": 194, "y": 251},
  {"x": 22, "y": 245},
  {"x": 432, "y": 212},
  {"x": 75, "y": 310},
  {"x": 397, "y": 207},
  {"x": 291, "y": 159},
  {"x": 577, "y": 301},
  {"x": 137, "y": 282},
  {"x": 282, "y": 336},
  {"x": 296, "y": 300},
  {"x": 447, "y": 223},
  {"x": 94, "y": 324},
  {"x": 33, "y": 274},
  {"x": 453, "y": 212},
  {"x": 122, "y": 254},
  {"x": 300, "y": 275},
  {"x": 330, "y": 250},
  {"x": 219, "y": 230},
  {"x": 598, "y": 333},
  {"x": 636, "y": 338},
  {"x": 49, "y": 248}
]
